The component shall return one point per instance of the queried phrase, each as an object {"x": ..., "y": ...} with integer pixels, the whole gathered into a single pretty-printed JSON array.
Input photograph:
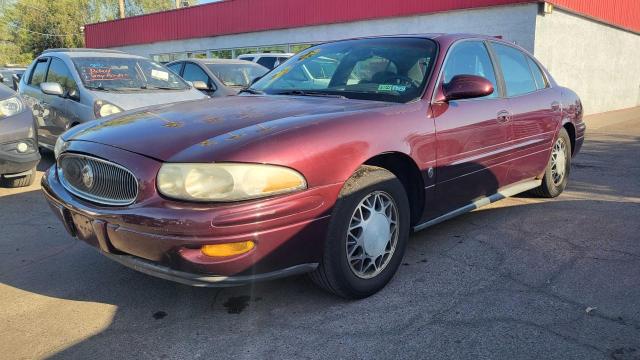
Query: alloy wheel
[
  {"x": 558, "y": 161},
  {"x": 373, "y": 235}
]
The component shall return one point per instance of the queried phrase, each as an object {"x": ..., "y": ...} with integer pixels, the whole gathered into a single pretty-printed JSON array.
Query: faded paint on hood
[
  {"x": 167, "y": 130},
  {"x": 134, "y": 100}
]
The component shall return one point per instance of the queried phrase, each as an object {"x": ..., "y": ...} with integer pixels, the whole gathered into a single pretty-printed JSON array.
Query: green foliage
[{"x": 28, "y": 27}]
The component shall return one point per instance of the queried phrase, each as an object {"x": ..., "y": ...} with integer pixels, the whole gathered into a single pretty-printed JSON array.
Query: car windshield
[
  {"x": 384, "y": 69},
  {"x": 237, "y": 74},
  {"x": 113, "y": 74}
]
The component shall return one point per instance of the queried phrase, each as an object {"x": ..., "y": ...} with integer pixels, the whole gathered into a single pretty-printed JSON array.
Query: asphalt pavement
[{"x": 524, "y": 278}]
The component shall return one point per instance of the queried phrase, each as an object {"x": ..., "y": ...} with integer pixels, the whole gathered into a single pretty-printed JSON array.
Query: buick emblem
[{"x": 87, "y": 176}]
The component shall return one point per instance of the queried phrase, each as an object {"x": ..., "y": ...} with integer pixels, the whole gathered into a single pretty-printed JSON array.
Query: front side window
[
  {"x": 120, "y": 74},
  {"x": 193, "y": 72},
  {"x": 39, "y": 73},
  {"x": 515, "y": 70},
  {"x": 59, "y": 73},
  {"x": 175, "y": 68},
  {"x": 237, "y": 74},
  {"x": 267, "y": 61},
  {"x": 470, "y": 58},
  {"x": 384, "y": 69}
]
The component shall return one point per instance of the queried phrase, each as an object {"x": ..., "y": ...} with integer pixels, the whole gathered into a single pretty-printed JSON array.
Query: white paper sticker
[{"x": 160, "y": 75}]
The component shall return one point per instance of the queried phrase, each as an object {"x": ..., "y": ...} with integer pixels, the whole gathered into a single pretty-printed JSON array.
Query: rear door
[
  {"x": 472, "y": 134},
  {"x": 536, "y": 113}
]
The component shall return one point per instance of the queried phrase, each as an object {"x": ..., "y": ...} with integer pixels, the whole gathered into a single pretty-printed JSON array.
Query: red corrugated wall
[
  {"x": 242, "y": 16},
  {"x": 622, "y": 13}
]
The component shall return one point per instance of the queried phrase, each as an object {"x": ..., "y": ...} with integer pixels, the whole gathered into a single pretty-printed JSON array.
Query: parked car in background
[
  {"x": 268, "y": 60},
  {"x": 290, "y": 178},
  {"x": 66, "y": 87},
  {"x": 19, "y": 154},
  {"x": 11, "y": 76},
  {"x": 222, "y": 77}
]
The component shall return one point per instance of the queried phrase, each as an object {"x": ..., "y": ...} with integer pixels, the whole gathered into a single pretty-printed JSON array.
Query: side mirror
[
  {"x": 467, "y": 87},
  {"x": 201, "y": 85},
  {"x": 52, "y": 88}
]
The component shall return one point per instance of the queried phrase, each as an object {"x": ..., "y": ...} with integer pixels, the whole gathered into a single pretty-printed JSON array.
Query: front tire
[
  {"x": 367, "y": 237},
  {"x": 556, "y": 173}
]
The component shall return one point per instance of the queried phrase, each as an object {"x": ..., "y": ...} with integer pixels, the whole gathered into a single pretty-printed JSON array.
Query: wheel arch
[
  {"x": 571, "y": 130},
  {"x": 407, "y": 171}
]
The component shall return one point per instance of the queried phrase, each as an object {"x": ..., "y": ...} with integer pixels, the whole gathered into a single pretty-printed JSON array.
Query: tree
[{"x": 28, "y": 27}]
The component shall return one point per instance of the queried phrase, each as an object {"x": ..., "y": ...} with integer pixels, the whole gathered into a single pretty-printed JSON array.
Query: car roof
[
  {"x": 85, "y": 52},
  {"x": 219, "y": 61},
  {"x": 267, "y": 54}
]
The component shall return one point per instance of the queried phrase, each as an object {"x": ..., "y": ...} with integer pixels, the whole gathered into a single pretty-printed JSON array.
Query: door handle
[{"x": 503, "y": 116}]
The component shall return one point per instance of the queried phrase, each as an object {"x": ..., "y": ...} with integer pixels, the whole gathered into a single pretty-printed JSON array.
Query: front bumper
[
  {"x": 12, "y": 163},
  {"x": 163, "y": 238},
  {"x": 13, "y": 130}
]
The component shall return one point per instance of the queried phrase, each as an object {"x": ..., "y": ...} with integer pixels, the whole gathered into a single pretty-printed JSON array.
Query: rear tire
[
  {"x": 367, "y": 236},
  {"x": 557, "y": 171},
  {"x": 22, "y": 181}
]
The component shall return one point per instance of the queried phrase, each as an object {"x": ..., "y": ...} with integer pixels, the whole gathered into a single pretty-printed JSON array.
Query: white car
[{"x": 268, "y": 60}]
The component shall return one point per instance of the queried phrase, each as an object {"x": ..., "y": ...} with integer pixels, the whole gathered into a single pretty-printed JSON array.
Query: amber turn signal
[{"x": 229, "y": 249}]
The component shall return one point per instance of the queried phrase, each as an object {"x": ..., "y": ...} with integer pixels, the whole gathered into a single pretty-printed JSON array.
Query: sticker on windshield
[
  {"x": 280, "y": 73},
  {"x": 308, "y": 54},
  {"x": 160, "y": 75},
  {"x": 398, "y": 88}
]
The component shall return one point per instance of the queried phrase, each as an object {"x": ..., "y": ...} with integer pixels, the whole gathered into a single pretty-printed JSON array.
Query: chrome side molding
[{"x": 502, "y": 193}]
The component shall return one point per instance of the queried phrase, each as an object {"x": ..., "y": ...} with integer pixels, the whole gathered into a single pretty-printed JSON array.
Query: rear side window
[
  {"x": 541, "y": 82},
  {"x": 267, "y": 61},
  {"x": 515, "y": 69},
  {"x": 39, "y": 73},
  {"x": 470, "y": 58},
  {"x": 59, "y": 73}
]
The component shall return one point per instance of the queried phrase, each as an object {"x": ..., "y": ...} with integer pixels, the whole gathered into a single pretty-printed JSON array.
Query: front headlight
[
  {"x": 10, "y": 106},
  {"x": 102, "y": 108},
  {"x": 59, "y": 148},
  {"x": 226, "y": 181}
]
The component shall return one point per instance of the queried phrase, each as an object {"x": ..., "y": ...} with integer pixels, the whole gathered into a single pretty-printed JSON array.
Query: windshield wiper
[
  {"x": 147, "y": 87},
  {"x": 251, "y": 91},
  {"x": 310, "y": 93},
  {"x": 101, "y": 88}
]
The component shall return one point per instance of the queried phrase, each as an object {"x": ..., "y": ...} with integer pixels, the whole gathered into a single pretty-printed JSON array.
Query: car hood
[
  {"x": 6, "y": 92},
  {"x": 134, "y": 100},
  {"x": 163, "y": 131}
]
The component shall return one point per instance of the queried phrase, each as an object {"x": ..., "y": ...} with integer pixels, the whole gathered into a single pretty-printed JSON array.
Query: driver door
[{"x": 472, "y": 135}]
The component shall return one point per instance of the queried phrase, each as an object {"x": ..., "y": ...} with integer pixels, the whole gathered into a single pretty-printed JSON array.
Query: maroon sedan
[{"x": 325, "y": 165}]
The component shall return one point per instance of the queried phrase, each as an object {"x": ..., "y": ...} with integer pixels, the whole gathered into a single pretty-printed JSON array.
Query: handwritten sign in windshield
[{"x": 104, "y": 74}]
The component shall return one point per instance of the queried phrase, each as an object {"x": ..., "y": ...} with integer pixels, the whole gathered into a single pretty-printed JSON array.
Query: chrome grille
[{"x": 97, "y": 180}]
